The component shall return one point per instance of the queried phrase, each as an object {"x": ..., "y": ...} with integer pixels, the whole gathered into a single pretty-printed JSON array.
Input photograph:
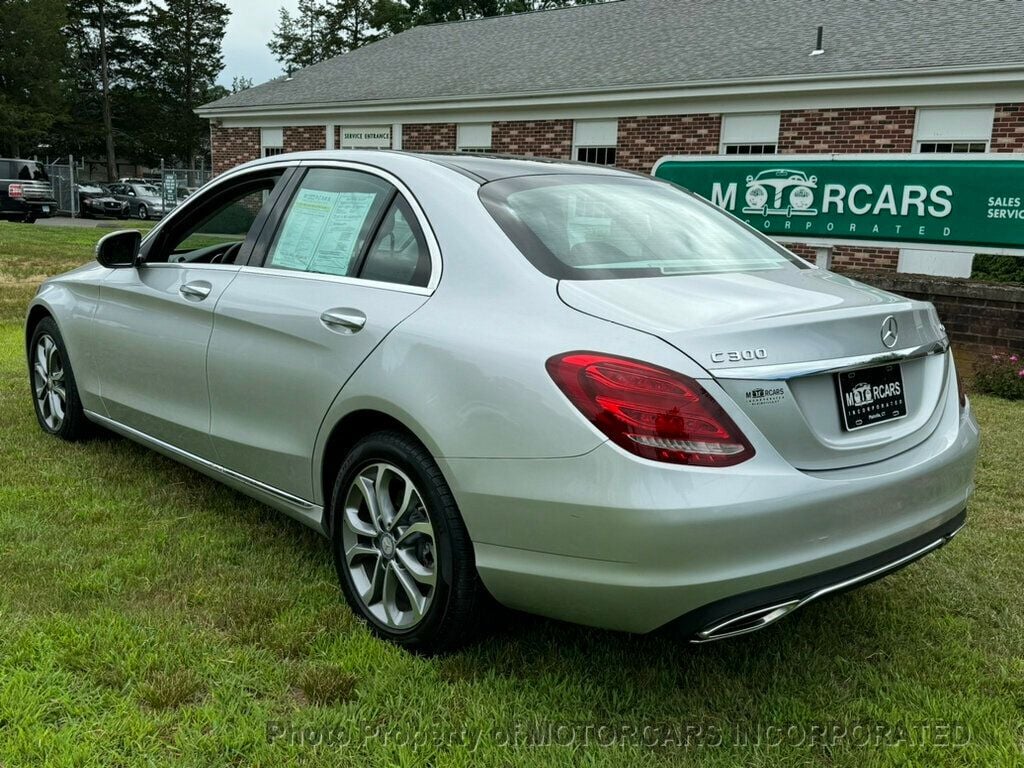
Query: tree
[
  {"x": 325, "y": 28},
  {"x": 241, "y": 83},
  {"x": 105, "y": 48},
  {"x": 182, "y": 57},
  {"x": 31, "y": 61},
  {"x": 303, "y": 39}
]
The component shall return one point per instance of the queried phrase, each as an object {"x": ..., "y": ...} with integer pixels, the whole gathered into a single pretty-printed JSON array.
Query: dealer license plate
[{"x": 871, "y": 396}]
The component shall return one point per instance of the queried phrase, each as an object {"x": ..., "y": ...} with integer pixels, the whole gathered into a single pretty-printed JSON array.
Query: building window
[
  {"x": 953, "y": 129},
  {"x": 749, "y": 149},
  {"x": 952, "y": 146},
  {"x": 750, "y": 134},
  {"x": 594, "y": 141},
  {"x": 473, "y": 137},
  {"x": 596, "y": 155},
  {"x": 271, "y": 141}
]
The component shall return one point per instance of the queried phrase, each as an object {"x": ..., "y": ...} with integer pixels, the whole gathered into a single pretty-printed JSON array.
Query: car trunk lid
[{"x": 775, "y": 339}]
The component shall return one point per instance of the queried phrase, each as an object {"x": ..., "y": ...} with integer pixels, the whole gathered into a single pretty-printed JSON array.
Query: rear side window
[
  {"x": 399, "y": 251},
  {"x": 581, "y": 227},
  {"x": 331, "y": 217}
]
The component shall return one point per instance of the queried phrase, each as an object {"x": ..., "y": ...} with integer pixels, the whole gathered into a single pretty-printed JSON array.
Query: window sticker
[{"x": 321, "y": 231}]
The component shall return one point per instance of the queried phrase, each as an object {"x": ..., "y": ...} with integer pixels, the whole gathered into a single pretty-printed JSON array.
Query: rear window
[
  {"x": 581, "y": 227},
  {"x": 30, "y": 171}
]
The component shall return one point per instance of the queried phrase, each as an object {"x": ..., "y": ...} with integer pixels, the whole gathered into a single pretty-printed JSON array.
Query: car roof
[
  {"x": 492, "y": 166},
  {"x": 480, "y": 167}
]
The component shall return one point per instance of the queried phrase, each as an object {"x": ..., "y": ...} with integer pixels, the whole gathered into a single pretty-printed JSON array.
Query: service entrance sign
[
  {"x": 366, "y": 137},
  {"x": 974, "y": 201}
]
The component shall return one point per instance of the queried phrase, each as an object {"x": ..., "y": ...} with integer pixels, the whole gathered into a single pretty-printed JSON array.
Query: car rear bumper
[
  {"x": 609, "y": 540},
  {"x": 18, "y": 209}
]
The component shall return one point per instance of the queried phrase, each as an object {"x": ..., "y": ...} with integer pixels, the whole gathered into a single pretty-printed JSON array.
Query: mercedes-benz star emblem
[{"x": 890, "y": 332}]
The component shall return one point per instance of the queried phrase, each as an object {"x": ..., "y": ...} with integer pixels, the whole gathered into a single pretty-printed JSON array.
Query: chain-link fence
[
  {"x": 178, "y": 183},
  {"x": 175, "y": 184},
  {"x": 63, "y": 177}
]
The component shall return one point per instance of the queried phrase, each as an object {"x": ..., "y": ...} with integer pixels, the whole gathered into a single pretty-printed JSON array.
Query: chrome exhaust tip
[{"x": 764, "y": 616}]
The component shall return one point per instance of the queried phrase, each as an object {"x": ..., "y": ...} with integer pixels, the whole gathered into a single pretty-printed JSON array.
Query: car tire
[
  {"x": 143, "y": 212},
  {"x": 50, "y": 375},
  {"x": 440, "y": 567}
]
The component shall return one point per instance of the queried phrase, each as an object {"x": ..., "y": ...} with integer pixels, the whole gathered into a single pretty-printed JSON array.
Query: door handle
[
  {"x": 346, "y": 319},
  {"x": 197, "y": 290}
]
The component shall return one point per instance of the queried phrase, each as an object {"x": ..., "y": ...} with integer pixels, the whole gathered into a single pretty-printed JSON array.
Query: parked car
[
  {"x": 95, "y": 200},
  {"x": 589, "y": 393},
  {"x": 144, "y": 200},
  {"x": 25, "y": 191}
]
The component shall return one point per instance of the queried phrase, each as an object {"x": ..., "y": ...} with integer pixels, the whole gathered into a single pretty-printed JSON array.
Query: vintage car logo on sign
[{"x": 779, "y": 192}]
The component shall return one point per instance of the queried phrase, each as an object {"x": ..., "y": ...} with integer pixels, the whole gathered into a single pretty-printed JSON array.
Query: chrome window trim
[
  {"x": 204, "y": 463},
  {"x": 189, "y": 265},
  {"x": 299, "y": 274},
  {"x": 796, "y": 370},
  {"x": 433, "y": 246}
]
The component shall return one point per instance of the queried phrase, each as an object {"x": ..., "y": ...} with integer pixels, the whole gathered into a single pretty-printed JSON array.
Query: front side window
[
  {"x": 332, "y": 216},
  {"x": 211, "y": 229},
  {"x": 583, "y": 227}
]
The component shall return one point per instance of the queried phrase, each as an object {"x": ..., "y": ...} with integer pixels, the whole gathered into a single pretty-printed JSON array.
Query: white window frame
[
  {"x": 595, "y": 136},
  {"x": 473, "y": 137},
  {"x": 271, "y": 142},
  {"x": 953, "y": 125},
  {"x": 750, "y": 130}
]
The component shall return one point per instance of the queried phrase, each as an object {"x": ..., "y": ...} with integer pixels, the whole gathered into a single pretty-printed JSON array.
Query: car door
[
  {"x": 292, "y": 330},
  {"x": 154, "y": 322}
]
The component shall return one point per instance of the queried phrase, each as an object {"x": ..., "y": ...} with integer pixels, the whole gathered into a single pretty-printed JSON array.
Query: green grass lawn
[{"x": 149, "y": 616}]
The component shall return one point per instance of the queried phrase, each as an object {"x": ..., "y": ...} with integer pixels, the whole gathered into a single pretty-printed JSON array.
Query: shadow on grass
[{"x": 877, "y": 623}]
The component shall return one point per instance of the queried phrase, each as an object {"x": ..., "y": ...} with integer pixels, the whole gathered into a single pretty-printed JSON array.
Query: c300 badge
[{"x": 739, "y": 355}]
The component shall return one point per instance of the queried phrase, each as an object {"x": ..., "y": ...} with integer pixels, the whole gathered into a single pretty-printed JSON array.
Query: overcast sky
[{"x": 245, "y": 43}]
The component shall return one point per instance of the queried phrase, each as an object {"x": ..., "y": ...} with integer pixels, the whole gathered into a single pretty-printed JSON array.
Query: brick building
[{"x": 630, "y": 82}]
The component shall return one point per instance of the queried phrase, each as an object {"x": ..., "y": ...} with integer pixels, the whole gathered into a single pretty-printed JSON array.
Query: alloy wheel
[
  {"x": 48, "y": 382},
  {"x": 389, "y": 546}
]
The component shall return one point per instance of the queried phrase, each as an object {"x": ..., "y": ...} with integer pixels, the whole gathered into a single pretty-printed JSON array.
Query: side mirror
[{"x": 119, "y": 249}]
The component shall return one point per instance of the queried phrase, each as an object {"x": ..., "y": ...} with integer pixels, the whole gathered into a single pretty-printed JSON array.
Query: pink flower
[
  {"x": 1020, "y": 373},
  {"x": 1014, "y": 358}
]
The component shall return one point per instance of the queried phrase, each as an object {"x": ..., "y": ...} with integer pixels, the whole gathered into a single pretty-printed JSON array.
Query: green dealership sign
[{"x": 956, "y": 201}]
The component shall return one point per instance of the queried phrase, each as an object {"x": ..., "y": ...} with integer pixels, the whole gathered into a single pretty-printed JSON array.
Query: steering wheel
[{"x": 227, "y": 256}]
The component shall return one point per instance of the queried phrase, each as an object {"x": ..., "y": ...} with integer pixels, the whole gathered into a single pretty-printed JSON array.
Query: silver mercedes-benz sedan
[{"x": 585, "y": 392}]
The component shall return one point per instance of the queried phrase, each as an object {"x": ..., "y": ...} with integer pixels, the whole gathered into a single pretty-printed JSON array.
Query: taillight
[
  {"x": 650, "y": 411},
  {"x": 15, "y": 191}
]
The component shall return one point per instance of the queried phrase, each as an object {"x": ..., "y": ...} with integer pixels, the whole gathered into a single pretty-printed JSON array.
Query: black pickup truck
[{"x": 25, "y": 191}]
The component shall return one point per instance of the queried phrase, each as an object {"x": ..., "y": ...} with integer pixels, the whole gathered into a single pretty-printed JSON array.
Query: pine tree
[
  {"x": 303, "y": 39},
  {"x": 182, "y": 59},
  {"x": 31, "y": 60},
  {"x": 105, "y": 45}
]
